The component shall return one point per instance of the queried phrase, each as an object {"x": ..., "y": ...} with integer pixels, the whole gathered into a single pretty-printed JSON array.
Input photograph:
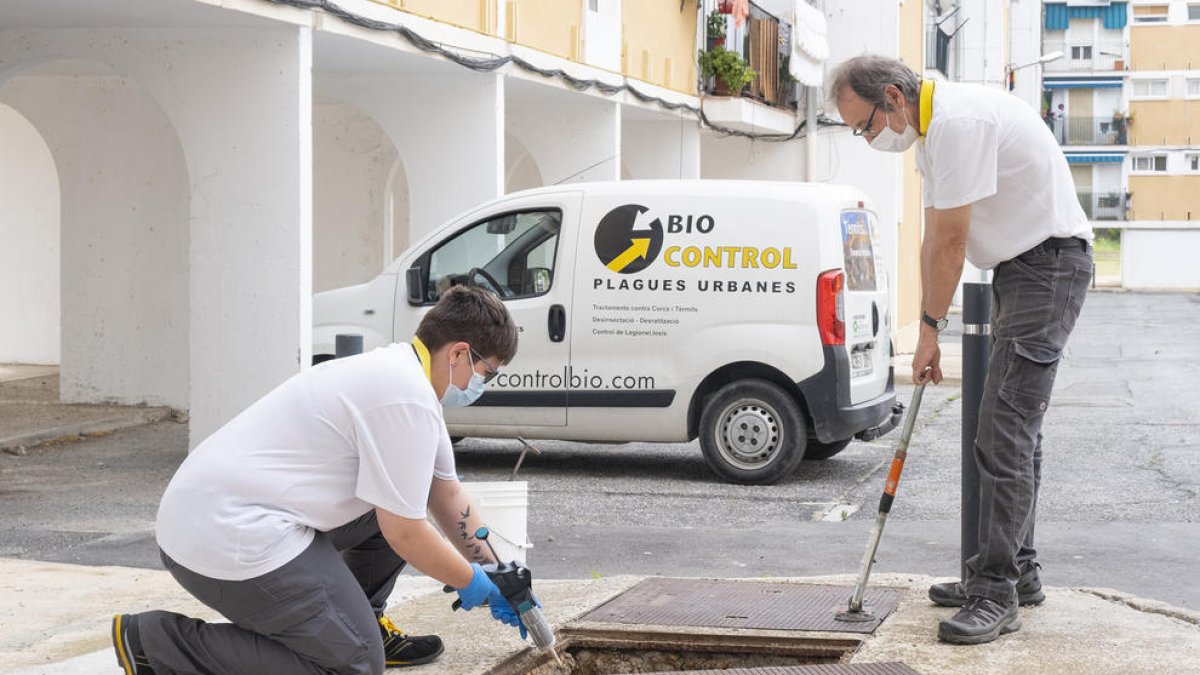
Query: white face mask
[
  {"x": 456, "y": 397},
  {"x": 890, "y": 141}
]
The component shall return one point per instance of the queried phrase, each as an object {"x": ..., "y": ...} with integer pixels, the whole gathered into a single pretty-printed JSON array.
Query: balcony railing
[
  {"x": 764, "y": 43},
  {"x": 1089, "y": 130},
  {"x": 1102, "y": 205}
]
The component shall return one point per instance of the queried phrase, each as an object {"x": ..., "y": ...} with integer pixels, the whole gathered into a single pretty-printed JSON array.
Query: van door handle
[{"x": 556, "y": 323}]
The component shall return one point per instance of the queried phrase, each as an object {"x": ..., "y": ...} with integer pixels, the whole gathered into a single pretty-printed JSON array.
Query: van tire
[
  {"x": 818, "y": 450},
  {"x": 774, "y": 439}
]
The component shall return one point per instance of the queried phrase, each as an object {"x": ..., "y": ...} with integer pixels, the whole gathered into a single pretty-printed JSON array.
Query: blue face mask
[{"x": 461, "y": 398}]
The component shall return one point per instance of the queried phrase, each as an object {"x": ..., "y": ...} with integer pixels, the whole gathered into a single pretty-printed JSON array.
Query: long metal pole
[
  {"x": 885, "y": 506},
  {"x": 976, "y": 346}
]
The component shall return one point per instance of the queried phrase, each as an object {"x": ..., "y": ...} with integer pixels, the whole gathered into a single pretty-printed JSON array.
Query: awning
[
  {"x": 1078, "y": 83},
  {"x": 1059, "y": 15},
  {"x": 1095, "y": 158}
]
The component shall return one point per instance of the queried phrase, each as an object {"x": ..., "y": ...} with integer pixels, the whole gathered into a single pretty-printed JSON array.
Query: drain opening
[{"x": 612, "y": 652}]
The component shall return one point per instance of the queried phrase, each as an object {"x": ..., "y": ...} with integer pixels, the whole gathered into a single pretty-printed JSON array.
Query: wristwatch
[{"x": 937, "y": 324}]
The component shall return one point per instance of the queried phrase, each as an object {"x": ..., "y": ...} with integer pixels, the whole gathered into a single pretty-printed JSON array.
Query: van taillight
[{"x": 830, "y": 314}]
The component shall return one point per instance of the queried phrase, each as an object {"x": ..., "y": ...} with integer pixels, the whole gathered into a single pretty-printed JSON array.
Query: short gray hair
[{"x": 868, "y": 75}]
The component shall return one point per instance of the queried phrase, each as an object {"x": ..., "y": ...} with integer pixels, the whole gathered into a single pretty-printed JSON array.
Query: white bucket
[{"x": 504, "y": 508}]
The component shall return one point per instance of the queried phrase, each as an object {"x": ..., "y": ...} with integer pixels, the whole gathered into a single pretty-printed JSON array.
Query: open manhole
[{"x": 617, "y": 652}]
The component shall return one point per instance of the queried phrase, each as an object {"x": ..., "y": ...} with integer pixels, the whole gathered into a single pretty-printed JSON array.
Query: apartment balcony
[
  {"x": 1089, "y": 130},
  {"x": 1086, "y": 56},
  {"x": 763, "y": 43},
  {"x": 1109, "y": 206}
]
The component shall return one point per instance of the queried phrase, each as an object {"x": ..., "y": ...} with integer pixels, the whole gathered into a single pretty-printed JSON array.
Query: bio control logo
[{"x": 628, "y": 239}]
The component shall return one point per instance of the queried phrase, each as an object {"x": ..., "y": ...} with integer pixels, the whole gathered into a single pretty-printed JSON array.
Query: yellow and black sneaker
[
  {"x": 400, "y": 649},
  {"x": 128, "y": 648}
]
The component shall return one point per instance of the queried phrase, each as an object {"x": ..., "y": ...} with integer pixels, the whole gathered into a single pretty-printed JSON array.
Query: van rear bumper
[{"x": 834, "y": 418}]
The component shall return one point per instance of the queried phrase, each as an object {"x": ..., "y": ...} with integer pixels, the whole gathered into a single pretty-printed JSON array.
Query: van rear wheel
[{"x": 752, "y": 432}]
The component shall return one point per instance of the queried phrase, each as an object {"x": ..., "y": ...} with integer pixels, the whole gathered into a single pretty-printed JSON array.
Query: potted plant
[
  {"x": 716, "y": 30},
  {"x": 1120, "y": 124},
  {"x": 729, "y": 69}
]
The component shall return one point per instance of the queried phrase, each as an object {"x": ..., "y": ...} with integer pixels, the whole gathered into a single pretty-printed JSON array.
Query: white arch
[
  {"x": 124, "y": 232},
  {"x": 30, "y": 256}
]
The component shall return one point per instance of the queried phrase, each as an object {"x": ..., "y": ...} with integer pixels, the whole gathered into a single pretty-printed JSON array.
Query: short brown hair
[{"x": 472, "y": 315}]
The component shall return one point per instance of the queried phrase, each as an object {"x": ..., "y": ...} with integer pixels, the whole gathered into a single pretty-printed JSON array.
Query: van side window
[{"x": 510, "y": 255}]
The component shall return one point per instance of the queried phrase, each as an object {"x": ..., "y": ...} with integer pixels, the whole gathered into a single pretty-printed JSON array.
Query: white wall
[
  {"x": 602, "y": 34},
  {"x": 571, "y": 142},
  {"x": 734, "y": 157},
  {"x": 521, "y": 171},
  {"x": 353, "y": 169},
  {"x": 1152, "y": 259},
  {"x": 29, "y": 256},
  {"x": 124, "y": 233},
  {"x": 249, "y": 262},
  {"x": 448, "y": 131},
  {"x": 1026, "y": 43},
  {"x": 667, "y": 149}
]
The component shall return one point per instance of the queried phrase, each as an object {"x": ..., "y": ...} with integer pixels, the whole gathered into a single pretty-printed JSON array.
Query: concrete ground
[
  {"x": 54, "y": 621},
  {"x": 31, "y": 414}
]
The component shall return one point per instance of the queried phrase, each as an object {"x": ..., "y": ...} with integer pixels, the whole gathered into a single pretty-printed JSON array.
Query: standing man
[
  {"x": 998, "y": 191},
  {"x": 295, "y": 518}
]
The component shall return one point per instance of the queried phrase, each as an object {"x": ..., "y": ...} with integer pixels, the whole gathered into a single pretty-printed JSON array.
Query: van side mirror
[
  {"x": 415, "y": 276},
  {"x": 540, "y": 280}
]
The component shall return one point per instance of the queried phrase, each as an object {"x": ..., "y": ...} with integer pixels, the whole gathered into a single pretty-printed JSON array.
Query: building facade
[
  {"x": 181, "y": 176},
  {"x": 1123, "y": 103}
]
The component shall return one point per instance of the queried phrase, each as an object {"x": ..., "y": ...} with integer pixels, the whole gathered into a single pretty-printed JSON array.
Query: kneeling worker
[{"x": 295, "y": 518}]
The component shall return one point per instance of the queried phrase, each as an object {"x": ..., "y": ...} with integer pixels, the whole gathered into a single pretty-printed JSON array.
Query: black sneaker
[
  {"x": 1029, "y": 590},
  {"x": 980, "y": 620},
  {"x": 407, "y": 650},
  {"x": 128, "y": 648}
]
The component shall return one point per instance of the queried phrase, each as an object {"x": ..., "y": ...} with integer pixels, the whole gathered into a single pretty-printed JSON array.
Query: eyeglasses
[
  {"x": 866, "y": 128},
  {"x": 492, "y": 372}
]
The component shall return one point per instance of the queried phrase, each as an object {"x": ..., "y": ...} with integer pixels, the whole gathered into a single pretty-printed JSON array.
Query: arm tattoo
[{"x": 474, "y": 550}]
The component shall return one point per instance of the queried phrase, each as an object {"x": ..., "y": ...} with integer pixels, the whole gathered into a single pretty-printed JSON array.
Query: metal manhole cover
[
  {"x": 822, "y": 669},
  {"x": 720, "y": 603}
]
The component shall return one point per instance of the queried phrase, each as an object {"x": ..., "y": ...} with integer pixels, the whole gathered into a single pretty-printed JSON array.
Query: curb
[{"x": 100, "y": 426}]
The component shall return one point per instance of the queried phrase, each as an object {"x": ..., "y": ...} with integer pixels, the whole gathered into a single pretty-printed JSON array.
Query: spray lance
[{"x": 516, "y": 584}]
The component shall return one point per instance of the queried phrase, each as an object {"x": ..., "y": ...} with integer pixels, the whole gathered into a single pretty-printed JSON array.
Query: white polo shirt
[
  {"x": 320, "y": 450},
  {"x": 987, "y": 148}
]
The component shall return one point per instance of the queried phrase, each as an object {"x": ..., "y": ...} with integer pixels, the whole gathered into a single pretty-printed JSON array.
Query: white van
[{"x": 753, "y": 315}]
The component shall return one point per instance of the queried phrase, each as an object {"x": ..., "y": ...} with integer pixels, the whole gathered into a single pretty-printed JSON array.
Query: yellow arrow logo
[{"x": 638, "y": 248}]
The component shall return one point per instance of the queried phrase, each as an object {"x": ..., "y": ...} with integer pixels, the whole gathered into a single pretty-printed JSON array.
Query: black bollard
[
  {"x": 347, "y": 344},
  {"x": 976, "y": 346}
]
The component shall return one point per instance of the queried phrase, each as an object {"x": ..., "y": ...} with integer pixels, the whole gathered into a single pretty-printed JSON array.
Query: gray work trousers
[
  {"x": 1036, "y": 298},
  {"x": 316, "y": 614}
]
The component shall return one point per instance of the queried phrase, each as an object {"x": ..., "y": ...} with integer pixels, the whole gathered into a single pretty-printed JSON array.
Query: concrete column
[
  {"x": 251, "y": 235},
  {"x": 29, "y": 256},
  {"x": 668, "y": 148},
  {"x": 448, "y": 130},
  {"x": 573, "y": 139}
]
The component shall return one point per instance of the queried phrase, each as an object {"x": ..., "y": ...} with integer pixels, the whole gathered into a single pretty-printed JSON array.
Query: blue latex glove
[{"x": 479, "y": 591}]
